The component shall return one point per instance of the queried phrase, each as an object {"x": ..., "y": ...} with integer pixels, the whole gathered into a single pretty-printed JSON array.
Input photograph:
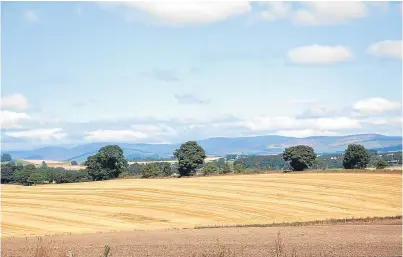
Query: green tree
[
  {"x": 190, "y": 156},
  {"x": 73, "y": 163},
  {"x": 220, "y": 163},
  {"x": 150, "y": 170},
  {"x": 239, "y": 168},
  {"x": 210, "y": 168},
  {"x": 5, "y": 157},
  {"x": 381, "y": 164},
  {"x": 165, "y": 168},
  {"x": 22, "y": 175},
  {"x": 300, "y": 157},
  {"x": 7, "y": 174},
  {"x": 36, "y": 178},
  {"x": 355, "y": 157},
  {"x": 134, "y": 169},
  {"x": 226, "y": 169},
  {"x": 108, "y": 163},
  {"x": 44, "y": 164}
]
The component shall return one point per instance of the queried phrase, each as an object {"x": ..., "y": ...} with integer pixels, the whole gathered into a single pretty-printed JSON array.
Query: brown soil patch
[{"x": 378, "y": 239}]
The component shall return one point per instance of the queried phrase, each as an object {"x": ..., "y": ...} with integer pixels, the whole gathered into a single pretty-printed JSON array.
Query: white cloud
[
  {"x": 137, "y": 132},
  {"x": 192, "y": 11},
  {"x": 39, "y": 134},
  {"x": 335, "y": 123},
  {"x": 275, "y": 10},
  {"x": 384, "y": 120},
  {"x": 316, "y": 54},
  {"x": 15, "y": 102},
  {"x": 118, "y": 135},
  {"x": 329, "y": 13},
  {"x": 376, "y": 106},
  {"x": 306, "y": 133},
  {"x": 9, "y": 119},
  {"x": 31, "y": 16},
  {"x": 386, "y": 49},
  {"x": 154, "y": 130}
]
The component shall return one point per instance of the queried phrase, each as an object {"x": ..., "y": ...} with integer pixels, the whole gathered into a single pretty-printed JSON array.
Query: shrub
[
  {"x": 134, "y": 169},
  {"x": 239, "y": 168},
  {"x": 150, "y": 170},
  {"x": 381, "y": 164},
  {"x": 210, "y": 168},
  {"x": 125, "y": 174},
  {"x": 164, "y": 168},
  {"x": 226, "y": 169}
]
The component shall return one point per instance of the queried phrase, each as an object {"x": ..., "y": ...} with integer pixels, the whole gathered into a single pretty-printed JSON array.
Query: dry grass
[
  {"x": 133, "y": 204},
  {"x": 352, "y": 221}
]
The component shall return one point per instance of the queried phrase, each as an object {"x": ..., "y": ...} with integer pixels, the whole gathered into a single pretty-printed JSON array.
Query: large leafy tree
[
  {"x": 190, "y": 156},
  {"x": 108, "y": 163},
  {"x": 356, "y": 157},
  {"x": 300, "y": 157}
]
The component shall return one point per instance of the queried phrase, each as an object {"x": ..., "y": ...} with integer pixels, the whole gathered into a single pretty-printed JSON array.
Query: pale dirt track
[
  {"x": 148, "y": 204},
  {"x": 377, "y": 239}
]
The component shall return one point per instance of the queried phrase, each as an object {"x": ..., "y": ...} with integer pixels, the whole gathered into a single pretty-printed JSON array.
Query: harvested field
[
  {"x": 149, "y": 204},
  {"x": 55, "y": 164},
  {"x": 378, "y": 238}
]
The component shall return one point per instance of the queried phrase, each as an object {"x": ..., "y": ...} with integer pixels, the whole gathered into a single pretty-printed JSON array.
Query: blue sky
[{"x": 77, "y": 72}]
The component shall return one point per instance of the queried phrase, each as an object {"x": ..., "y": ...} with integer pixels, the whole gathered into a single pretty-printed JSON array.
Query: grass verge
[{"x": 350, "y": 221}]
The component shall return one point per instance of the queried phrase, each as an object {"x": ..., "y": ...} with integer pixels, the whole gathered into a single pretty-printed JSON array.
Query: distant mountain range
[{"x": 220, "y": 146}]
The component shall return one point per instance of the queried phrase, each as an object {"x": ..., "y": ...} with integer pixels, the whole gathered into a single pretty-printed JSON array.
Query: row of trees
[
  {"x": 302, "y": 157},
  {"x": 29, "y": 174},
  {"x": 110, "y": 163}
]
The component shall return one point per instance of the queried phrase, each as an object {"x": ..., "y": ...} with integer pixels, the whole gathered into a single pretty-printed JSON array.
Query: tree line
[{"x": 110, "y": 163}]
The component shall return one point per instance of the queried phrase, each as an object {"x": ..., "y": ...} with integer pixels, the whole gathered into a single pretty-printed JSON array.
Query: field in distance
[
  {"x": 148, "y": 204},
  {"x": 66, "y": 165}
]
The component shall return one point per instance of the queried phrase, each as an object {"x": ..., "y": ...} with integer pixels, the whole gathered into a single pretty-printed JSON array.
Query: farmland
[{"x": 152, "y": 204}]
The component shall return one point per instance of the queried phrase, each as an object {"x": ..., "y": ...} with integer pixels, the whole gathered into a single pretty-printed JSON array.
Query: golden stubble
[{"x": 148, "y": 204}]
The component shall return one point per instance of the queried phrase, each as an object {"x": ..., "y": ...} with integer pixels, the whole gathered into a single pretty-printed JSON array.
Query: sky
[{"x": 153, "y": 72}]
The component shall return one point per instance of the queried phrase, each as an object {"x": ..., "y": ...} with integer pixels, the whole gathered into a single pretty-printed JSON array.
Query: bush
[
  {"x": 70, "y": 176},
  {"x": 210, "y": 168},
  {"x": 150, "y": 170},
  {"x": 73, "y": 163},
  {"x": 164, "y": 169},
  {"x": 134, "y": 169},
  {"x": 239, "y": 168},
  {"x": 381, "y": 164},
  {"x": 125, "y": 174},
  {"x": 226, "y": 169}
]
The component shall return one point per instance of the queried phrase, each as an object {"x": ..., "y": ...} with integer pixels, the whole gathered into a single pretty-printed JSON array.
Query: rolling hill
[{"x": 262, "y": 145}]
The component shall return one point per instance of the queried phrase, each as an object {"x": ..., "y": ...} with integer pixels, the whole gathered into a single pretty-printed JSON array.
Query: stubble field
[{"x": 149, "y": 204}]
